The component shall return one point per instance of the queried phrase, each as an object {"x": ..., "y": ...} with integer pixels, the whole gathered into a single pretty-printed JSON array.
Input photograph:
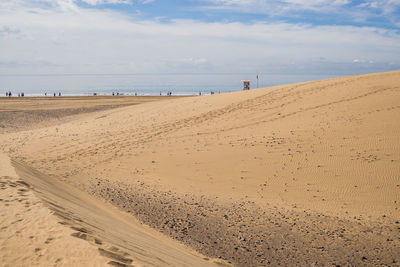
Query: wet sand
[{"x": 301, "y": 174}]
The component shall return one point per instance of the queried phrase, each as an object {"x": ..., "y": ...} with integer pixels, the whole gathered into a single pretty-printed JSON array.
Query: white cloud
[
  {"x": 344, "y": 9},
  {"x": 64, "y": 38},
  {"x": 317, "y": 3},
  {"x": 102, "y": 2},
  {"x": 387, "y": 6},
  {"x": 271, "y": 6}
]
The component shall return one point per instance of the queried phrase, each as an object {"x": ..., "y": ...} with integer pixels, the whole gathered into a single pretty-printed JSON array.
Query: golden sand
[{"x": 297, "y": 174}]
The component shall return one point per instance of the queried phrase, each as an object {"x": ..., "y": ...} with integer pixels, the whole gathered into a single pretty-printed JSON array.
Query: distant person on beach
[
  {"x": 9, "y": 94},
  {"x": 54, "y": 94},
  {"x": 6, "y": 93},
  {"x": 59, "y": 94},
  {"x": 45, "y": 94},
  {"x": 22, "y": 94}
]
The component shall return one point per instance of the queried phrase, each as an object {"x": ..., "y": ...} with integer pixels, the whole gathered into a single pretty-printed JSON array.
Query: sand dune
[
  {"x": 62, "y": 226},
  {"x": 120, "y": 238},
  {"x": 33, "y": 236},
  {"x": 30, "y": 235},
  {"x": 18, "y": 114},
  {"x": 298, "y": 174}
]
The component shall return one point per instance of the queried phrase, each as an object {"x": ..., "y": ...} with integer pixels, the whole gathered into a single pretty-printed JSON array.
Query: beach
[{"x": 298, "y": 174}]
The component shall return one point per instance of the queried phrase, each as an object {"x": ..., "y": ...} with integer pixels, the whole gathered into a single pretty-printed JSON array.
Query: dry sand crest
[{"x": 298, "y": 174}]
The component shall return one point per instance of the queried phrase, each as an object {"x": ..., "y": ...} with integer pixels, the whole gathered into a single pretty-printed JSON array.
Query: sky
[{"x": 337, "y": 37}]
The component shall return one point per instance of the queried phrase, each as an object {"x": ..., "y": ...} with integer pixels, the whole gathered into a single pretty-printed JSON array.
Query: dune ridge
[
  {"x": 120, "y": 239},
  {"x": 30, "y": 234},
  {"x": 297, "y": 174}
]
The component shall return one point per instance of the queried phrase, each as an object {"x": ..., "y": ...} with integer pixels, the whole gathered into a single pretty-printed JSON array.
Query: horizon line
[{"x": 162, "y": 73}]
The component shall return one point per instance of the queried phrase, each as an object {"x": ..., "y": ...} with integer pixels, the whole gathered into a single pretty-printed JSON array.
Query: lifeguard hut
[{"x": 246, "y": 85}]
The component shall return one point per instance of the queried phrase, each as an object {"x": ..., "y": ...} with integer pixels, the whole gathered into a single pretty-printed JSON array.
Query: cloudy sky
[{"x": 336, "y": 37}]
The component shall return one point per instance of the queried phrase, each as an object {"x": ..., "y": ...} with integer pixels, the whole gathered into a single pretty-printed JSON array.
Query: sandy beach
[{"x": 293, "y": 175}]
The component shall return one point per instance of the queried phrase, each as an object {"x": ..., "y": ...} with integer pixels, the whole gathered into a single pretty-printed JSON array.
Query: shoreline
[{"x": 91, "y": 96}]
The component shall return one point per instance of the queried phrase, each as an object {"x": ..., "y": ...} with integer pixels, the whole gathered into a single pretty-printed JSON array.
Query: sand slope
[
  {"x": 117, "y": 237},
  {"x": 30, "y": 235},
  {"x": 296, "y": 174},
  {"x": 61, "y": 226},
  {"x": 26, "y": 113}
]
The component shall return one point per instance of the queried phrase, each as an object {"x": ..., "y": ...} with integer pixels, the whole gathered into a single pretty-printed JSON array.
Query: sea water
[{"x": 142, "y": 84}]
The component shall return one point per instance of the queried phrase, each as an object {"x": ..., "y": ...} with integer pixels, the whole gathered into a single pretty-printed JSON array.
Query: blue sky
[
  {"x": 384, "y": 13},
  {"x": 339, "y": 37}
]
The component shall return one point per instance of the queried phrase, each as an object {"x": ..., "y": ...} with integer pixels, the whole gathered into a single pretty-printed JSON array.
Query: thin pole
[{"x": 257, "y": 79}]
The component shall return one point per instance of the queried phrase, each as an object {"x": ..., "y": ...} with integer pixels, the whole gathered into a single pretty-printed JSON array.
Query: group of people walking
[
  {"x": 9, "y": 94},
  {"x": 169, "y": 93},
  {"x": 54, "y": 94}
]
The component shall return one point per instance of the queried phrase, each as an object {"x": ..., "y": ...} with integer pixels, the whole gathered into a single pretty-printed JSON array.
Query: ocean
[{"x": 142, "y": 84}]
